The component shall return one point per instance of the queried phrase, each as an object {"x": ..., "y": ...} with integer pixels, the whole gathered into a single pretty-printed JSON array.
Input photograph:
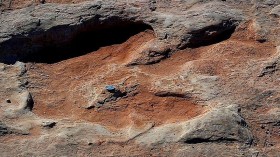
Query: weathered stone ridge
[{"x": 139, "y": 78}]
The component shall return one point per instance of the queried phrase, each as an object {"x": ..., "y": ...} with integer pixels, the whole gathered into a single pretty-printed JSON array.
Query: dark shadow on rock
[
  {"x": 64, "y": 42},
  {"x": 210, "y": 35},
  {"x": 207, "y": 140}
]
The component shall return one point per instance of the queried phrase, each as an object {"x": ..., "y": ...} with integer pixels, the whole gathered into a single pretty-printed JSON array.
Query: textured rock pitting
[{"x": 176, "y": 66}]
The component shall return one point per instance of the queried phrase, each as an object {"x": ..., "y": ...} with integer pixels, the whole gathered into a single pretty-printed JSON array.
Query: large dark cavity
[
  {"x": 64, "y": 42},
  {"x": 210, "y": 35}
]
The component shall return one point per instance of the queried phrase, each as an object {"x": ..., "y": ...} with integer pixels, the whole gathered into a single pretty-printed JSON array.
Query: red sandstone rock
[{"x": 192, "y": 78}]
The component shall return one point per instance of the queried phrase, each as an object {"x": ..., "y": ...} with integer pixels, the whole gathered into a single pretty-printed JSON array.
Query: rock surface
[{"x": 189, "y": 78}]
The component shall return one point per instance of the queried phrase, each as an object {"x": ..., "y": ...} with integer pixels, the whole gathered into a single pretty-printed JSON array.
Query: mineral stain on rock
[{"x": 139, "y": 78}]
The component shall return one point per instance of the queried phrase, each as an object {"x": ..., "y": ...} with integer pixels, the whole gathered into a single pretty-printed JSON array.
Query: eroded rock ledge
[
  {"x": 30, "y": 30},
  {"x": 176, "y": 67}
]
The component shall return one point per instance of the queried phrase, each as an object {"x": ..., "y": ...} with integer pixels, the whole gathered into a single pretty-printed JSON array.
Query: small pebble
[{"x": 110, "y": 88}]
